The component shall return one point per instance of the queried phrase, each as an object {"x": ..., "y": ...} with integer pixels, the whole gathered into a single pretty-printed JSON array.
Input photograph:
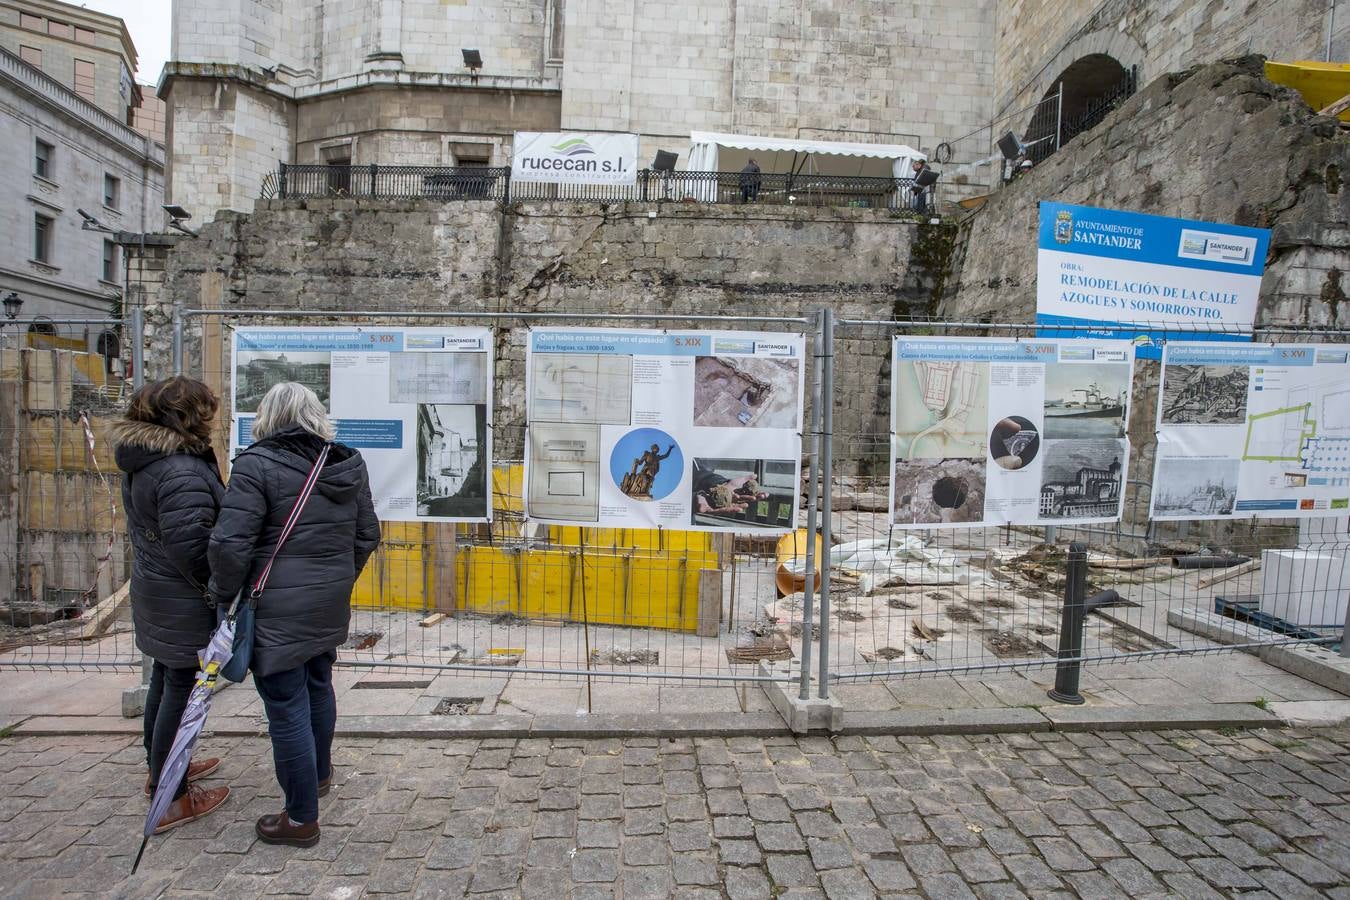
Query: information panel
[
  {"x": 1257, "y": 430},
  {"x": 1102, "y": 269},
  {"x": 988, "y": 431},
  {"x": 690, "y": 430},
  {"x": 417, "y": 403}
]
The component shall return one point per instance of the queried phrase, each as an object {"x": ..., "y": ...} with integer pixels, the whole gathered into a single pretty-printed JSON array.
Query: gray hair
[{"x": 290, "y": 403}]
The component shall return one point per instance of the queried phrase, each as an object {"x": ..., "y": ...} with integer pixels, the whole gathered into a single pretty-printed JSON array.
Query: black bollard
[{"x": 1072, "y": 620}]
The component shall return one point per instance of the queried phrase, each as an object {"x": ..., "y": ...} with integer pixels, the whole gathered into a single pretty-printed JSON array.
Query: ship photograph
[{"x": 1086, "y": 400}]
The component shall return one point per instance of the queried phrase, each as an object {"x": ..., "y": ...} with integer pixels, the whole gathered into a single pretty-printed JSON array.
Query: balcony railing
[
  {"x": 54, "y": 92},
  {"x": 496, "y": 184}
]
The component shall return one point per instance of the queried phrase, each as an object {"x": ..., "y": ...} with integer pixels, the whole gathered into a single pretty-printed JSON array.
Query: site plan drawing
[{"x": 1268, "y": 424}]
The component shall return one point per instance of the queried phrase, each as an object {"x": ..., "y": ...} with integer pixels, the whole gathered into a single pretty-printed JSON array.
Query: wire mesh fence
[
  {"x": 874, "y": 600},
  {"x": 63, "y": 548},
  {"x": 520, "y": 598},
  {"x": 908, "y": 601}
]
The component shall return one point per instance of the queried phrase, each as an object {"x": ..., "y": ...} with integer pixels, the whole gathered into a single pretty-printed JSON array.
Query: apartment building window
[
  {"x": 61, "y": 30},
  {"x": 84, "y": 79},
  {"x": 42, "y": 237},
  {"x": 109, "y": 261},
  {"x": 112, "y": 192},
  {"x": 84, "y": 35},
  {"x": 31, "y": 22},
  {"x": 42, "y": 159},
  {"x": 31, "y": 55}
]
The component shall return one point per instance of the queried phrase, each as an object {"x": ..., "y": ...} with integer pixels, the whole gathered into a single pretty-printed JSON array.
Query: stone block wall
[
  {"x": 225, "y": 136},
  {"x": 1220, "y": 144},
  {"x": 671, "y": 259},
  {"x": 1038, "y": 39},
  {"x": 859, "y": 70}
]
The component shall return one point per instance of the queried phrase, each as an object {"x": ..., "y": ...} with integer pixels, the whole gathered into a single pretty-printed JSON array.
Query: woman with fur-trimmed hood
[{"x": 171, "y": 490}]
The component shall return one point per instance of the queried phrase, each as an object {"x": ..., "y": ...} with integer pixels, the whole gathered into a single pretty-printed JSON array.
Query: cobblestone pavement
[{"x": 1194, "y": 814}]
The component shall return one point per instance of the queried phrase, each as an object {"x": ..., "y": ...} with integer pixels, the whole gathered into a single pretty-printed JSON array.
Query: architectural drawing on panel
[
  {"x": 438, "y": 377},
  {"x": 581, "y": 387},
  {"x": 564, "y": 466}
]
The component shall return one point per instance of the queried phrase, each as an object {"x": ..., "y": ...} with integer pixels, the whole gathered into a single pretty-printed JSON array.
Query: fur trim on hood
[{"x": 152, "y": 437}]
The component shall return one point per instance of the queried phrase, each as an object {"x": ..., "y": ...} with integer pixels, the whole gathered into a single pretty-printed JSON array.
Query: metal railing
[
  {"x": 496, "y": 184},
  {"x": 39, "y": 82}
]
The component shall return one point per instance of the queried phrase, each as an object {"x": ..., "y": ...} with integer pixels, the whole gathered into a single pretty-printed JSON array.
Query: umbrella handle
[{"x": 234, "y": 605}]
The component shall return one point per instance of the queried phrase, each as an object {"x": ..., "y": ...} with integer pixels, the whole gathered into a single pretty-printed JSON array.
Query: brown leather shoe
[
  {"x": 190, "y": 807},
  {"x": 277, "y": 829},
  {"x": 326, "y": 784},
  {"x": 195, "y": 770}
]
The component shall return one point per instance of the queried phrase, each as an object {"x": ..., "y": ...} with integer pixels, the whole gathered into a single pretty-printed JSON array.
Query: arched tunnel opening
[{"x": 1082, "y": 95}]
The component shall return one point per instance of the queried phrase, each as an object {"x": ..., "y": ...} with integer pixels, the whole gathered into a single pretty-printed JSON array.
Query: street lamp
[{"x": 12, "y": 303}]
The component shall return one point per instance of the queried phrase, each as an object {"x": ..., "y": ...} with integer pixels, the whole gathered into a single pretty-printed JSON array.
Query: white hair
[{"x": 290, "y": 403}]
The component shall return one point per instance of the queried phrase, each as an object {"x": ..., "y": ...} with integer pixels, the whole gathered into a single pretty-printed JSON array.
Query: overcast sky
[{"x": 148, "y": 22}]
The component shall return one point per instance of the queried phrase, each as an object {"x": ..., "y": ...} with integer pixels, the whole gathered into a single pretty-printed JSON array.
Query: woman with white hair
[{"x": 303, "y": 613}]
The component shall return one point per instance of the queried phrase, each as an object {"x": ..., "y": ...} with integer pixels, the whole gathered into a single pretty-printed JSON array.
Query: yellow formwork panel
[
  {"x": 508, "y": 488},
  {"x": 487, "y": 580},
  {"x": 633, "y": 538},
  {"x": 401, "y": 573},
  {"x": 604, "y": 588}
]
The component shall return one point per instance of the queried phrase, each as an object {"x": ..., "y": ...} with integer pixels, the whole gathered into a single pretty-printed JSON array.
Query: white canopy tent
[{"x": 713, "y": 152}]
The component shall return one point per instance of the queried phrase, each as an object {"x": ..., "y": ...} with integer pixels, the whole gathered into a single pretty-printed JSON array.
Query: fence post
[
  {"x": 281, "y": 182},
  {"x": 1073, "y": 618},
  {"x": 1345, "y": 635},
  {"x": 506, "y": 187},
  {"x": 177, "y": 340},
  {"x": 813, "y": 438},
  {"x": 133, "y": 698},
  {"x": 137, "y": 347},
  {"x": 826, "y": 473},
  {"x": 1059, "y": 114}
]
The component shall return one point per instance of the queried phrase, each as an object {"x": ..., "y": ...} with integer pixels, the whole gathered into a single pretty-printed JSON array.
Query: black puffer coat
[
  {"x": 171, "y": 493},
  {"x": 306, "y": 606}
]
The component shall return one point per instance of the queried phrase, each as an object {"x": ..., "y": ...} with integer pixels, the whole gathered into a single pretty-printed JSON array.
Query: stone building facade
[
  {"x": 257, "y": 82},
  {"x": 1088, "y": 45},
  {"x": 70, "y": 148}
]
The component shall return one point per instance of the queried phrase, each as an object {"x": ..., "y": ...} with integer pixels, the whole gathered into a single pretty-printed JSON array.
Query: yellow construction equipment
[{"x": 1322, "y": 84}]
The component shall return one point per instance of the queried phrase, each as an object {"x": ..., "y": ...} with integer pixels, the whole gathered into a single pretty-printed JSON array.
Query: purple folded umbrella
[{"x": 210, "y": 660}]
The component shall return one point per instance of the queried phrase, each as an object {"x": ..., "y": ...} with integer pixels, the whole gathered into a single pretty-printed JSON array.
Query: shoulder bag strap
[{"x": 291, "y": 521}]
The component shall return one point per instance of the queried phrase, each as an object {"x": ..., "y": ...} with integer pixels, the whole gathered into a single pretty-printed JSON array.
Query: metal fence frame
[
  {"x": 817, "y": 323},
  {"x": 824, "y": 329}
]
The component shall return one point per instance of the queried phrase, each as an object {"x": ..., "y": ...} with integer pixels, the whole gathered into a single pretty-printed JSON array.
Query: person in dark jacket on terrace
[
  {"x": 303, "y": 612},
  {"x": 171, "y": 492}
]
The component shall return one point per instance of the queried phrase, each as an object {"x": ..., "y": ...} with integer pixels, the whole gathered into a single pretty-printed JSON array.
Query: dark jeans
[
  {"x": 301, "y": 714},
  {"x": 164, "y": 703},
  {"x": 749, "y": 193}
]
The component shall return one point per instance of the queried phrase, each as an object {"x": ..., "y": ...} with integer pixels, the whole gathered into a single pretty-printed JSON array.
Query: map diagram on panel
[
  {"x": 940, "y": 409},
  {"x": 1308, "y": 428}
]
